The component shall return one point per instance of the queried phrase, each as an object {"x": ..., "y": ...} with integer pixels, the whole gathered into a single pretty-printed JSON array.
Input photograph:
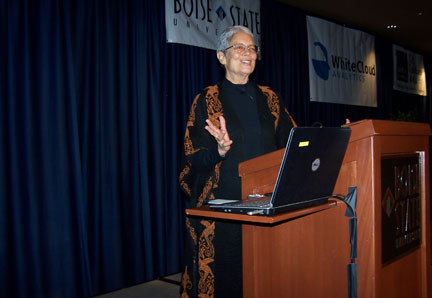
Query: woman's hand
[{"x": 221, "y": 135}]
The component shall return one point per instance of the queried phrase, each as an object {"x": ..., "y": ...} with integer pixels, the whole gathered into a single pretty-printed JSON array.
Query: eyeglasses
[{"x": 241, "y": 48}]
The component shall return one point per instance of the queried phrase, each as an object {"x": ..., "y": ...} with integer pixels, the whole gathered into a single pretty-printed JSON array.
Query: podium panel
[{"x": 297, "y": 258}]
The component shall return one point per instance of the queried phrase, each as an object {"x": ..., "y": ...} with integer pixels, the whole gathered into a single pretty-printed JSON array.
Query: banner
[
  {"x": 199, "y": 22},
  {"x": 408, "y": 72},
  {"x": 342, "y": 65}
]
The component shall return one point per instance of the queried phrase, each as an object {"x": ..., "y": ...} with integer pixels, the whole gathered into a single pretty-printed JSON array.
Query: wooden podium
[{"x": 304, "y": 253}]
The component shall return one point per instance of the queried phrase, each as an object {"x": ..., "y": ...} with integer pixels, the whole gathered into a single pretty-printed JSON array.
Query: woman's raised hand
[{"x": 221, "y": 135}]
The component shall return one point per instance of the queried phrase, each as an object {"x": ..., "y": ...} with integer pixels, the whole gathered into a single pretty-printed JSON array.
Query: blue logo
[
  {"x": 221, "y": 13},
  {"x": 321, "y": 67}
]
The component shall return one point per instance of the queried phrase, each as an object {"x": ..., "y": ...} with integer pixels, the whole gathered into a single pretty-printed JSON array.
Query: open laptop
[{"x": 307, "y": 175}]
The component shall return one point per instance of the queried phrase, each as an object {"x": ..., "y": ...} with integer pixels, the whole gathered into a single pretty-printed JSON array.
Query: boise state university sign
[{"x": 199, "y": 22}]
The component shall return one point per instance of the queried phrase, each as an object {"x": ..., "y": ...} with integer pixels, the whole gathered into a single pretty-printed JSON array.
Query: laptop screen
[{"x": 310, "y": 164}]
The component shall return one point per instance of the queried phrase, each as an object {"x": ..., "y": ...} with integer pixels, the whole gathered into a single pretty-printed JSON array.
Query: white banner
[
  {"x": 342, "y": 66},
  {"x": 408, "y": 71},
  {"x": 199, "y": 22}
]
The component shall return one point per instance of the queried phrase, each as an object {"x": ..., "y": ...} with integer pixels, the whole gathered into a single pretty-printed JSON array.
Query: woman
[{"x": 230, "y": 122}]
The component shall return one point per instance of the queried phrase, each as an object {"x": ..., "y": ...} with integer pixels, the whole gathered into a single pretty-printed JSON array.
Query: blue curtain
[
  {"x": 92, "y": 122},
  {"x": 92, "y": 114}
]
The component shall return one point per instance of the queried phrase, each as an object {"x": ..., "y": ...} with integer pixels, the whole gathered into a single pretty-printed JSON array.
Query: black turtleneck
[{"x": 242, "y": 99}]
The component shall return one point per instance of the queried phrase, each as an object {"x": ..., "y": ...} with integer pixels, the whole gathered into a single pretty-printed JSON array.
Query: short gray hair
[{"x": 227, "y": 34}]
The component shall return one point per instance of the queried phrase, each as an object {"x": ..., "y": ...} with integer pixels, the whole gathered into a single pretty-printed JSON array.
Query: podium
[{"x": 304, "y": 253}]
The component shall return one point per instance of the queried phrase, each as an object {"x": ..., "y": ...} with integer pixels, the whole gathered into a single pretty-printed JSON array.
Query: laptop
[{"x": 307, "y": 175}]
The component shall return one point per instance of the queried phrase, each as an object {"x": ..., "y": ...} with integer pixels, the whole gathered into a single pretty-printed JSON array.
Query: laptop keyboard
[{"x": 257, "y": 203}]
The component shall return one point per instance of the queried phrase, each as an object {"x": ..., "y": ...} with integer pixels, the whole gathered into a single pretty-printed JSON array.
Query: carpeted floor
[{"x": 167, "y": 287}]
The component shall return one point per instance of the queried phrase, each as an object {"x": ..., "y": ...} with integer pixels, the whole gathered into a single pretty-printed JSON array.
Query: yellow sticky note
[{"x": 304, "y": 144}]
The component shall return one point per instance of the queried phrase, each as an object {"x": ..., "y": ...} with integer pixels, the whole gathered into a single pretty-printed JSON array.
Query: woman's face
[{"x": 239, "y": 64}]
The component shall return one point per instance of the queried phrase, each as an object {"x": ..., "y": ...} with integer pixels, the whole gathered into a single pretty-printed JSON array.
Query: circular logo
[
  {"x": 315, "y": 164},
  {"x": 321, "y": 67}
]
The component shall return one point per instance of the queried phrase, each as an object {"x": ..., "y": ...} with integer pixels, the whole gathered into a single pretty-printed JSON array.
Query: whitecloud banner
[
  {"x": 199, "y": 22},
  {"x": 408, "y": 71},
  {"x": 342, "y": 65}
]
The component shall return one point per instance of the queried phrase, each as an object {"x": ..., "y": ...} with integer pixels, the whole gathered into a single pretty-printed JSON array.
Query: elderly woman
[{"x": 229, "y": 122}]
